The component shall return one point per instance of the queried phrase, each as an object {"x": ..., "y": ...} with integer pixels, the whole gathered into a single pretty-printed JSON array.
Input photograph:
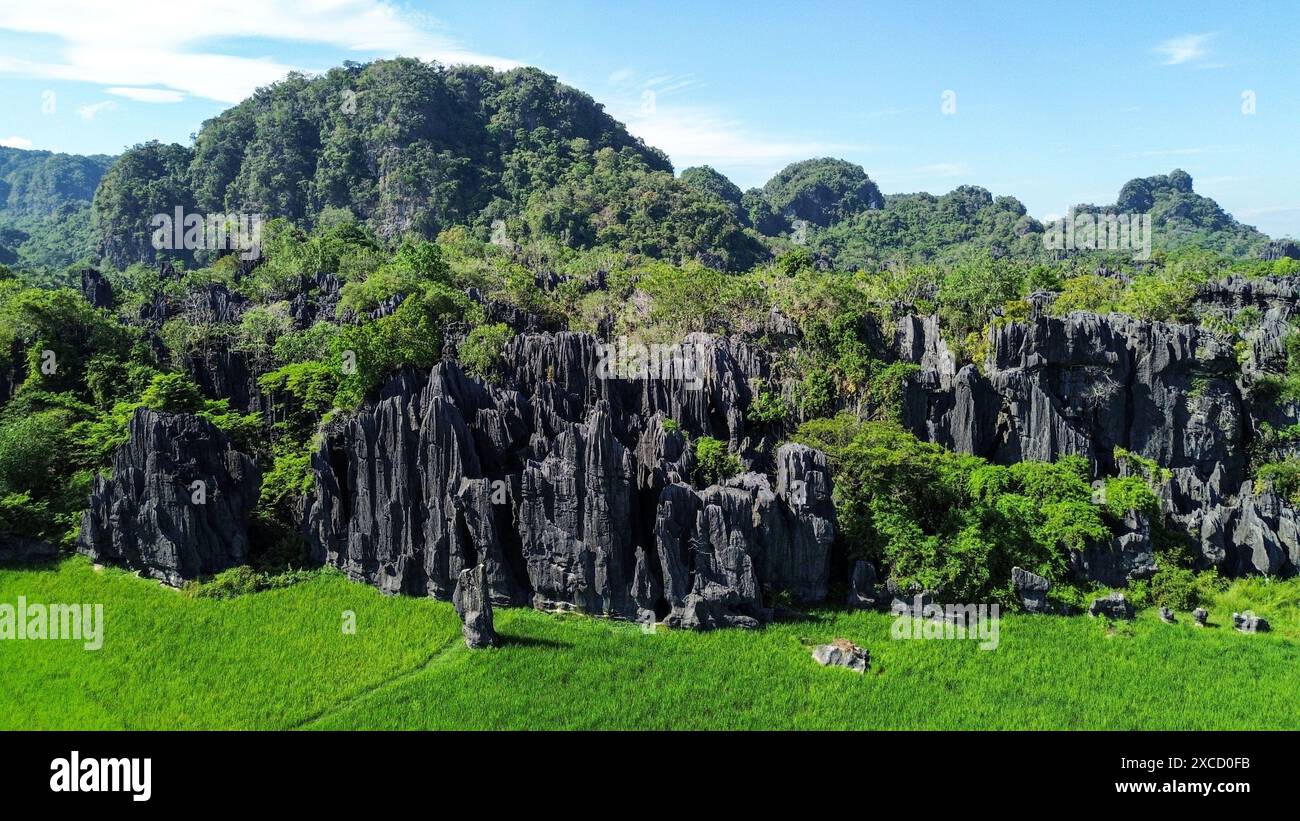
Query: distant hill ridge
[{"x": 408, "y": 146}]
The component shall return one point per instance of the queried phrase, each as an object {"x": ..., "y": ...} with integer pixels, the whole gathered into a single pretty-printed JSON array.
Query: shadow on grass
[
  {"x": 529, "y": 641},
  {"x": 43, "y": 565}
]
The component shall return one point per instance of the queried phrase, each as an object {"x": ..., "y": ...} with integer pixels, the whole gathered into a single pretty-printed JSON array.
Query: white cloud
[
  {"x": 148, "y": 95},
  {"x": 695, "y": 135},
  {"x": 137, "y": 45},
  {"x": 621, "y": 76},
  {"x": 89, "y": 112},
  {"x": 15, "y": 142},
  {"x": 691, "y": 134},
  {"x": 1186, "y": 49}
]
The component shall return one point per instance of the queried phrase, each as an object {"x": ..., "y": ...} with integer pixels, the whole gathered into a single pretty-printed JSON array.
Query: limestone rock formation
[
  {"x": 864, "y": 592},
  {"x": 567, "y": 480},
  {"x": 842, "y": 653},
  {"x": 1093, "y": 386},
  {"x": 1112, "y": 606},
  {"x": 177, "y": 503},
  {"x": 1032, "y": 590},
  {"x": 474, "y": 606},
  {"x": 1249, "y": 623}
]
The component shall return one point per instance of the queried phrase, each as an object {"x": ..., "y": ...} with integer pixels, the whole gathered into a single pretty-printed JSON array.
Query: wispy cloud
[
  {"x": 1189, "y": 48},
  {"x": 15, "y": 142},
  {"x": 1270, "y": 211},
  {"x": 132, "y": 45},
  {"x": 148, "y": 95},
  {"x": 700, "y": 135},
  {"x": 89, "y": 112},
  {"x": 656, "y": 107}
]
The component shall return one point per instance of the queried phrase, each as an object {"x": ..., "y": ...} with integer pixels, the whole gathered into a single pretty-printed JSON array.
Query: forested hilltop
[
  {"x": 410, "y": 378},
  {"x": 45, "y": 220}
]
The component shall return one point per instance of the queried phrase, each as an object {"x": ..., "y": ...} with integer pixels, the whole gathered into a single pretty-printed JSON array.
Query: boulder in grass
[
  {"x": 842, "y": 653},
  {"x": 1113, "y": 606},
  {"x": 474, "y": 607},
  {"x": 1248, "y": 622},
  {"x": 1167, "y": 615},
  {"x": 1200, "y": 616}
]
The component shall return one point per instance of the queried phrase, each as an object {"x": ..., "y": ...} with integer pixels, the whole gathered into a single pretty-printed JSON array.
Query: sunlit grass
[{"x": 280, "y": 659}]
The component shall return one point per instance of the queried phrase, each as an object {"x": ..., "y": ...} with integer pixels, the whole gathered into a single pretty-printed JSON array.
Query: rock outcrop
[
  {"x": 1031, "y": 589},
  {"x": 568, "y": 480},
  {"x": 474, "y": 606},
  {"x": 1112, "y": 606},
  {"x": 842, "y": 653},
  {"x": 864, "y": 591},
  {"x": 1249, "y": 623},
  {"x": 1098, "y": 386},
  {"x": 176, "y": 505}
]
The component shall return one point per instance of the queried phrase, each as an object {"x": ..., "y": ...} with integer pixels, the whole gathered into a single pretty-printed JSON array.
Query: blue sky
[{"x": 1053, "y": 104}]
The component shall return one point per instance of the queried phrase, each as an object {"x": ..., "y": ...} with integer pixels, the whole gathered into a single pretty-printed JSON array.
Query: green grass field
[{"x": 280, "y": 659}]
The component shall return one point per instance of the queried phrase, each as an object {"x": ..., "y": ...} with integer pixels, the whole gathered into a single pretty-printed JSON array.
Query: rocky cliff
[
  {"x": 177, "y": 503},
  {"x": 569, "y": 482},
  {"x": 1100, "y": 386},
  {"x": 573, "y": 489}
]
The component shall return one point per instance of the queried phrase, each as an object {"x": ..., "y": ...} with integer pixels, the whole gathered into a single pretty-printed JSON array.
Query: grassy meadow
[{"x": 281, "y": 659}]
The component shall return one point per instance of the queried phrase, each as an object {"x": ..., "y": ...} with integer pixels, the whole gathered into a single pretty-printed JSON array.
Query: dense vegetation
[
  {"x": 45, "y": 200},
  {"x": 931, "y": 516},
  {"x": 409, "y": 147}
]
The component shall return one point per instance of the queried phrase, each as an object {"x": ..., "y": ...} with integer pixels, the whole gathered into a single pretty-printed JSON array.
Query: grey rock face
[
  {"x": 864, "y": 592},
  {"x": 1031, "y": 589},
  {"x": 1127, "y": 557},
  {"x": 1250, "y": 534},
  {"x": 226, "y": 374},
  {"x": 842, "y": 653},
  {"x": 474, "y": 606},
  {"x": 1200, "y": 616},
  {"x": 1167, "y": 615},
  {"x": 575, "y": 516},
  {"x": 569, "y": 485},
  {"x": 1086, "y": 384},
  {"x": 1113, "y": 606},
  {"x": 401, "y": 500},
  {"x": 798, "y": 560},
  {"x": 316, "y": 298},
  {"x": 177, "y": 503},
  {"x": 96, "y": 288},
  {"x": 908, "y": 602}
]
